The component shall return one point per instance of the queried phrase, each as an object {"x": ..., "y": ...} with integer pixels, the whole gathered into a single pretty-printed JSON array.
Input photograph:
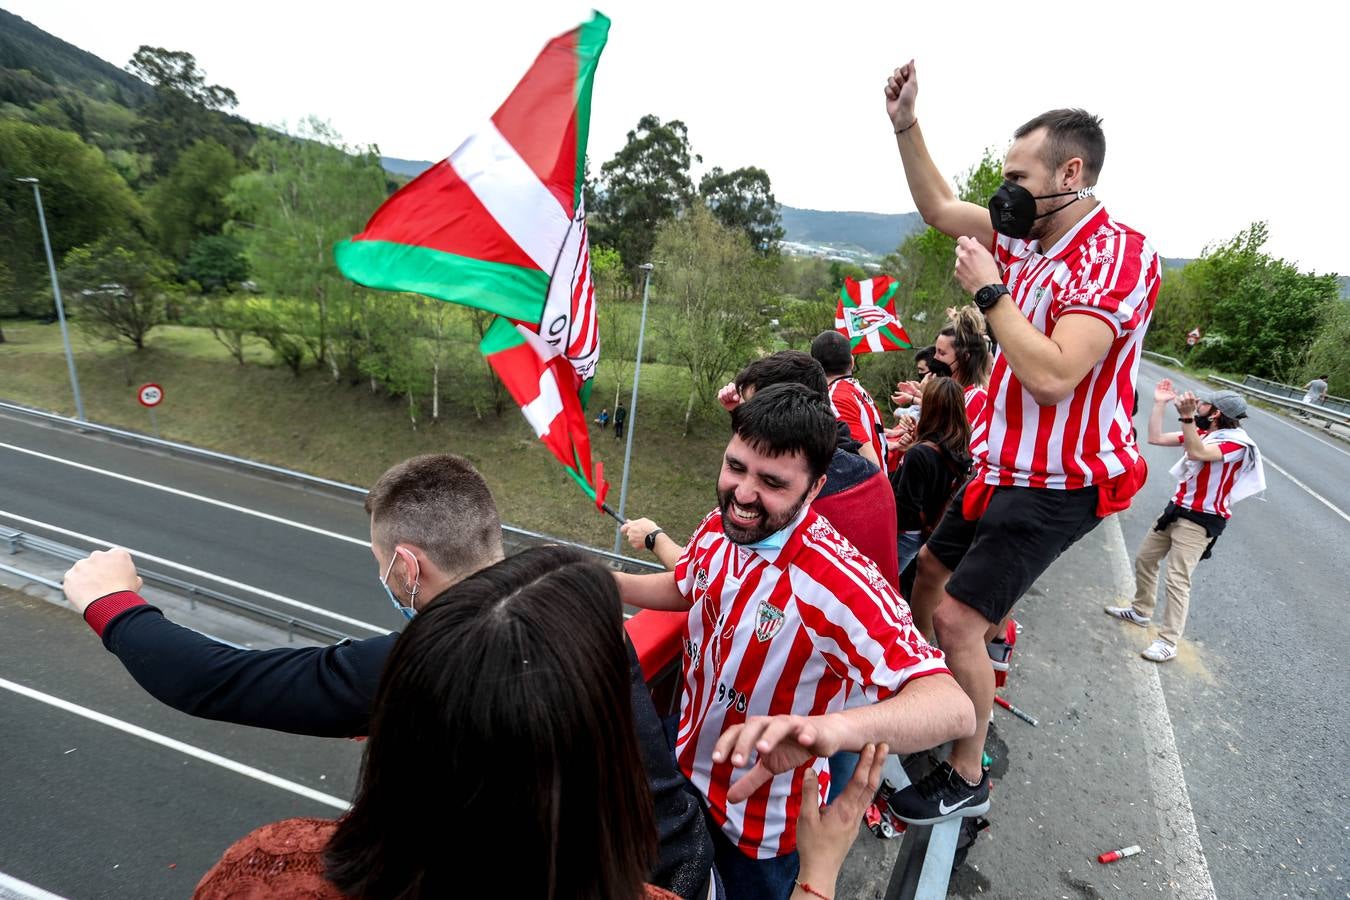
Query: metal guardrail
[
  {"x": 136, "y": 437},
  {"x": 1339, "y": 404},
  {"x": 193, "y": 593},
  {"x": 1163, "y": 357},
  {"x": 1310, "y": 409}
]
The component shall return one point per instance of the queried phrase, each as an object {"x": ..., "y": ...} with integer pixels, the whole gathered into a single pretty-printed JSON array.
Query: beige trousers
[{"x": 1183, "y": 543}]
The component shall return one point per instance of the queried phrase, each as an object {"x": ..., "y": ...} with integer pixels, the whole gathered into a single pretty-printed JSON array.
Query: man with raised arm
[
  {"x": 1067, "y": 292},
  {"x": 783, "y": 616}
]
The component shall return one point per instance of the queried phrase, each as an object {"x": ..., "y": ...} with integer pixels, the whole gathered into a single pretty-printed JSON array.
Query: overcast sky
[{"x": 1214, "y": 117}]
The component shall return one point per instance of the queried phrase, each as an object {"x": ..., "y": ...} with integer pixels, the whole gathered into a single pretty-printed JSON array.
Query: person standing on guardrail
[
  {"x": 1222, "y": 465},
  {"x": 784, "y": 617},
  {"x": 1068, "y": 293},
  {"x": 433, "y": 522},
  {"x": 1316, "y": 390}
]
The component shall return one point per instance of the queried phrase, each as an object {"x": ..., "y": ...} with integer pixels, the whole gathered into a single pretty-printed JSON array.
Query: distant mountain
[
  {"x": 877, "y": 233},
  {"x": 35, "y": 66},
  {"x": 408, "y": 168}
]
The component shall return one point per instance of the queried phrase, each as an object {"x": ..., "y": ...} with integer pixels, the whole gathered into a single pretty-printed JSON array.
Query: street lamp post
[
  {"x": 56, "y": 292},
  {"x": 632, "y": 408}
]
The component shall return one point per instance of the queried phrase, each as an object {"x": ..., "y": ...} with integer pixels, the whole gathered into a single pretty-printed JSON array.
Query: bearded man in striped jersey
[
  {"x": 784, "y": 615},
  {"x": 1067, "y": 292}
]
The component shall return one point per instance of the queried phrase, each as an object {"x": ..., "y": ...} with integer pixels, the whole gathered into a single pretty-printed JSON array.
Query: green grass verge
[{"x": 345, "y": 432}]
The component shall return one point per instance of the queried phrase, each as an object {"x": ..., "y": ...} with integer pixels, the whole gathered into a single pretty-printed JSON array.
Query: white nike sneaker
[
  {"x": 1159, "y": 651},
  {"x": 1128, "y": 614}
]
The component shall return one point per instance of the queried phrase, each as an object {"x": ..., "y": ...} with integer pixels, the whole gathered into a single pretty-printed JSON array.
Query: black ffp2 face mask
[{"x": 1012, "y": 209}]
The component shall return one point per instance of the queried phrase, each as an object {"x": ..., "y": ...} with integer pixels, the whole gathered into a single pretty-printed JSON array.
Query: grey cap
[{"x": 1230, "y": 403}]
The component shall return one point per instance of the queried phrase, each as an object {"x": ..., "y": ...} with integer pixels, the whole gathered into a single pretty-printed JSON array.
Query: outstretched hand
[
  {"x": 902, "y": 89},
  {"x": 1186, "y": 404},
  {"x": 1164, "y": 392},
  {"x": 781, "y": 743},
  {"x": 907, "y": 392},
  {"x": 825, "y": 833}
]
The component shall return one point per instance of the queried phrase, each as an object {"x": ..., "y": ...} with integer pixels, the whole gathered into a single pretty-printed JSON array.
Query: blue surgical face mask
[{"x": 407, "y": 611}]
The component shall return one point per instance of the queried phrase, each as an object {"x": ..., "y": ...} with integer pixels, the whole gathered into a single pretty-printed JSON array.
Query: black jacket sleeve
[
  {"x": 686, "y": 850},
  {"x": 320, "y": 691},
  {"x": 914, "y": 485}
]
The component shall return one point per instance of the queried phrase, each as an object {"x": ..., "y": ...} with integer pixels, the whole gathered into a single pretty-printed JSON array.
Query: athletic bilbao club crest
[
  {"x": 701, "y": 581},
  {"x": 769, "y": 621}
]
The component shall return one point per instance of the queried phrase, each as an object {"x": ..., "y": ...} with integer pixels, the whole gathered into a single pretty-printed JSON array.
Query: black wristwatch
[
  {"x": 650, "y": 539},
  {"x": 1189, "y": 420},
  {"x": 987, "y": 296}
]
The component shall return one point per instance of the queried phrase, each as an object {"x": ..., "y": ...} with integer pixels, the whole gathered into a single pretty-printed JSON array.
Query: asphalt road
[
  {"x": 1254, "y": 727},
  {"x": 1256, "y": 698}
]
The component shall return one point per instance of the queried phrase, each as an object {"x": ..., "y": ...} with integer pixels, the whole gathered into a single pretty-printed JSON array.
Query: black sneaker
[{"x": 940, "y": 795}]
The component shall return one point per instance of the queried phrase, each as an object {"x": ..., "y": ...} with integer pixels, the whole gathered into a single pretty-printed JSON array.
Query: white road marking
[
  {"x": 164, "y": 741},
  {"x": 233, "y": 507},
  {"x": 13, "y": 887},
  {"x": 237, "y": 585},
  {"x": 1316, "y": 496},
  {"x": 1287, "y": 424},
  {"x": 1179, "y": 840}
]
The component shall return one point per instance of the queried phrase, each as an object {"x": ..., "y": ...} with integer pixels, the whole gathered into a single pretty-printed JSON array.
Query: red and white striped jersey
[
  {"x": 782, "y": 630},
  {"x": 854, "y": 407},
  {"x": 1099, "y": 268},
  {"x": 977, "y": 398},
  {"x": 1207, "y": 490}
]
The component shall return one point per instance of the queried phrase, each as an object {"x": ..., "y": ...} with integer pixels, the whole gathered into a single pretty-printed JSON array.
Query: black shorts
[{"x": 995, "y": 559}]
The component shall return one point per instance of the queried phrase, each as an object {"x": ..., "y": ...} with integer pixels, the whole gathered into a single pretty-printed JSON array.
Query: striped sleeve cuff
[{"x": 108, "y": 607}]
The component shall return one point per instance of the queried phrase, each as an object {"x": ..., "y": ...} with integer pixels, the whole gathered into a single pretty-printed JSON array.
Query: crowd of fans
[{"x": 514, "y": 748}]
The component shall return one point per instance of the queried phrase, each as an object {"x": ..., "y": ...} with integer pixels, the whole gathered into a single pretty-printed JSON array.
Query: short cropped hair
[
  {"x": 783, "y": 367},
  {"x": 439, "y": 503},
  {"x": 1070, "y": 133},
  {"x": 831, "y": 349},
  {"x": 783, "y": 419}
]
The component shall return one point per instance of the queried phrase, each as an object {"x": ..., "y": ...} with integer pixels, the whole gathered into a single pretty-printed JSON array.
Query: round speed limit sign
[{"x": 150, "y": 395}]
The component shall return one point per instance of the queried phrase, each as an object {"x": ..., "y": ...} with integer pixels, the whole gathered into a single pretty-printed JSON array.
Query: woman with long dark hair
[
  {"x": 502, "y": 759},
  {"x": 934, "y": 466},
  {"x": 502, "y": 762}
]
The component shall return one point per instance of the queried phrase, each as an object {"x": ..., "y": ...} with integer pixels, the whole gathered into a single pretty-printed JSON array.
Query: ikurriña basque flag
[
  {"x": 866, "y": 316},
  {"x": 501, "y": 225}
]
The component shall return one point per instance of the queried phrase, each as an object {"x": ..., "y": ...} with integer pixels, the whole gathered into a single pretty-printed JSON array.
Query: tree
[
  {"x": 184, "y": 109},
  {"x": 83, "y": 196},
  {"x": 6, "y": 287},
  {"x": 744, "y": 199},
  {"x": 709, "y": 274},
  {"x": 305, "y": 194},
  {"x": 645, "y": 184},
  {"x": 216, "y": 263},
  {"x": 121, "y": 285},
  {"x": 394, "y": 356},
  {"x": 189, "y": 202},
  {"x": 1327, "y": 355},
  {"x": 1260, "y": 314}
]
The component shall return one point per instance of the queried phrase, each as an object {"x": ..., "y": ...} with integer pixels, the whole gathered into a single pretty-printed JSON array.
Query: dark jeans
[{"x": 752, "y": 879}]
